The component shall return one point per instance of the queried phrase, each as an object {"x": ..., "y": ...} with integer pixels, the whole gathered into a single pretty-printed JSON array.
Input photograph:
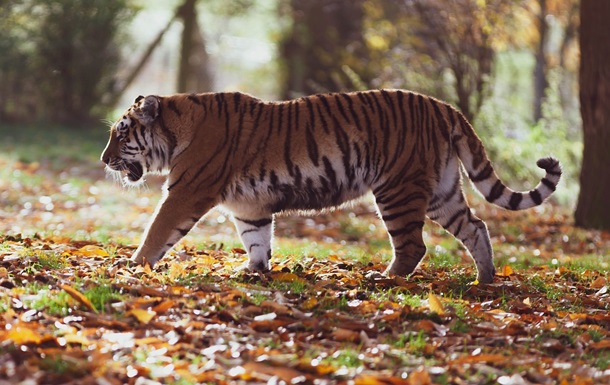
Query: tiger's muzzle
[{"x": 133, "y": 171}]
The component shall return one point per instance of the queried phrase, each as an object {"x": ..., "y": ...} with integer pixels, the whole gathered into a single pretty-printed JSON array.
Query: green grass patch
[
  {"x": 41, "y": 297},
  {"x": 103, "y": 295}
]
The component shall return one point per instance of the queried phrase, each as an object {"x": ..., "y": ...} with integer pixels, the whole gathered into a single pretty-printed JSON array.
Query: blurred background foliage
[{"x": 511, "y": 66}]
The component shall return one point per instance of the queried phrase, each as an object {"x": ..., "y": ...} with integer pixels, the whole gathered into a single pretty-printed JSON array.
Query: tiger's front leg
[
  {"x": 256, "y": 235},
  {"x": 174, "y": 217}
]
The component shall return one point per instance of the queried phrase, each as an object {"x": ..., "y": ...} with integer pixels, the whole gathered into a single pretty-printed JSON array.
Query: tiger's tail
[{"x": 480, "y": 171}]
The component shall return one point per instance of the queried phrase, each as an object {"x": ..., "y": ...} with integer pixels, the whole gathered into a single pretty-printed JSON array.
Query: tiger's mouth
[{"x": 133, "y": 171}]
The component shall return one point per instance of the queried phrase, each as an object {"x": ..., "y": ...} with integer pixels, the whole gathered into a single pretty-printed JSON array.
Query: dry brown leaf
[
  {"x": 143, "y": 316},
  {"x": 599, "y": 283},
  {"x": 368, "y": 379},
  {"x": 92, "y": 251},
  {"x": 288, "y": 277},
  {"x": 309, "y": 303},
  {"x": 77, "y": 338},
  {"x": 507, "y": 271},
  {"x": 164, "y": 306},
  {"x": 419, "y": 377},
  {"x": 79, "y": 297},
  {"x": 435, "y": 305},
  {"x": 21, "y": 334},
  {"x": 488, "y": 358},
  {"x": 345, "y": 335},
  {"x": 288, "y": 375},
  {"x": 600, "y": 345}
]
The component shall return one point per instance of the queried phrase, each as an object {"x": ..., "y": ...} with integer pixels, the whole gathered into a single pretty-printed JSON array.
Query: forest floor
[{"x": 74, "y": 310}]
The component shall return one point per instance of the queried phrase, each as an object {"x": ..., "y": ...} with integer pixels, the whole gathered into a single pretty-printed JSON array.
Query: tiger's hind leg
[
  {"x": 256, "y": 235},
  {"x": 403, "y": 210},
  {"x": 451, "y": 211}
]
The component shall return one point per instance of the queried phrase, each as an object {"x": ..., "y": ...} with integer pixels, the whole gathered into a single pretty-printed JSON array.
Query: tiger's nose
[{"x": 105, "y": 158}]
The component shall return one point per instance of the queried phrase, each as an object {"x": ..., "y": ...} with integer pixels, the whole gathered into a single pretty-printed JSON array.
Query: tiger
[{"x": 255, "y": 159}]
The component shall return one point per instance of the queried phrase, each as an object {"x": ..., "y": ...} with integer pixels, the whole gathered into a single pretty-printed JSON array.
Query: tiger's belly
[{"x": 291, "y": 194}]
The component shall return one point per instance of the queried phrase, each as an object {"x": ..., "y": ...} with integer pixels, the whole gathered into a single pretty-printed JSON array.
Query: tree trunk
[
  {"x": 325, "y": 35},
  {"x": 189, "y": 17},
  {"x": 193, "y": 75},
  {"x": 593, "y": 210},
  {"x": 540, "y": 80}
]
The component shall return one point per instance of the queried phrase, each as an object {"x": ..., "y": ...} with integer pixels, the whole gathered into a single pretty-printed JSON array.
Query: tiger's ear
[{"x": 148, "y": 110}]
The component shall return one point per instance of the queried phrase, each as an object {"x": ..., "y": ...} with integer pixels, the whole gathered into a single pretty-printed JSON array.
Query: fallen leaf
[
  {"x": 419, "y": 377},
  {"x": 345, "y": 335},
  {"x": 163, "y": 306},
  {"x": 288, "y": 277},
  {"x": 488, "y": 358},
  {"x": 143, "y": 316},
  {"x": 435, "y": 304},
  {"x": 79, "y": 297},
  {"x": 368, "y": 379},
  {"x": 93, "y": 250},
  {"x": 601, "y": 345},
  {"x": 21, "y": 335},
  {"x": 76, "y": 338},
  {"x": 288, "y": 375},
  {"x": 599, "y": 283},
  {"x": 507, "y": 271},
  {"x": 309, "y": 303}
]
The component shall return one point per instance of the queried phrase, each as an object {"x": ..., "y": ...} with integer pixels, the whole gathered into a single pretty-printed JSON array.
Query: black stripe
[
  {"x": 273, "y": 179},
  {"x": 409, "y": 228},
  {"x": 350, "y": 106},
  {"x": 411, "y": 197},
  {"x": 311, "y": 115},
  {"x": 391, "y": 217},
  {"x": 171, "y": 186},
  {"x": 183, "y": 232},
  {"x": 219, "y": 101},
  {"x": 330, "y": 172},
  {"x": 484, "y": 174},
  {"x": 548, "y": 184},
  {"x": 390, "y": 102},
  {"x": 287, "y": 151},
  {"x": 515, "y": 200},
  {"x": 312, "y": 145},
  {"x": 280, "y": 119},
  {"x": 236, "y": 100},
  {"x": 172, "y": 106},
  {"x": 324, "y": 101},
  {"x": 193, "y": 98},
  {"x": 340, "y": 107},
  {"x": 322, "y": 119},
  {"x": 256, "y": 222},
  {"x": 496, "y": 191},
  {"x": 442, "y": 124},
  {"x": 535, "y": 195},
  {"x": 454, "y": 217}
]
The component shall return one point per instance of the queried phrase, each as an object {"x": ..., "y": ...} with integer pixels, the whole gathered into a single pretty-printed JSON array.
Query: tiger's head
[{"x": 139, "y": 143}]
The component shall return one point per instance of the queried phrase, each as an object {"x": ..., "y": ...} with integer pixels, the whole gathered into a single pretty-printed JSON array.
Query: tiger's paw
[
  {"x": 400, "y": 270},
  {"x": 141, "y": 261},
  {"x": 486, "y": 275},
  {"x": 259, "y": 266}
]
